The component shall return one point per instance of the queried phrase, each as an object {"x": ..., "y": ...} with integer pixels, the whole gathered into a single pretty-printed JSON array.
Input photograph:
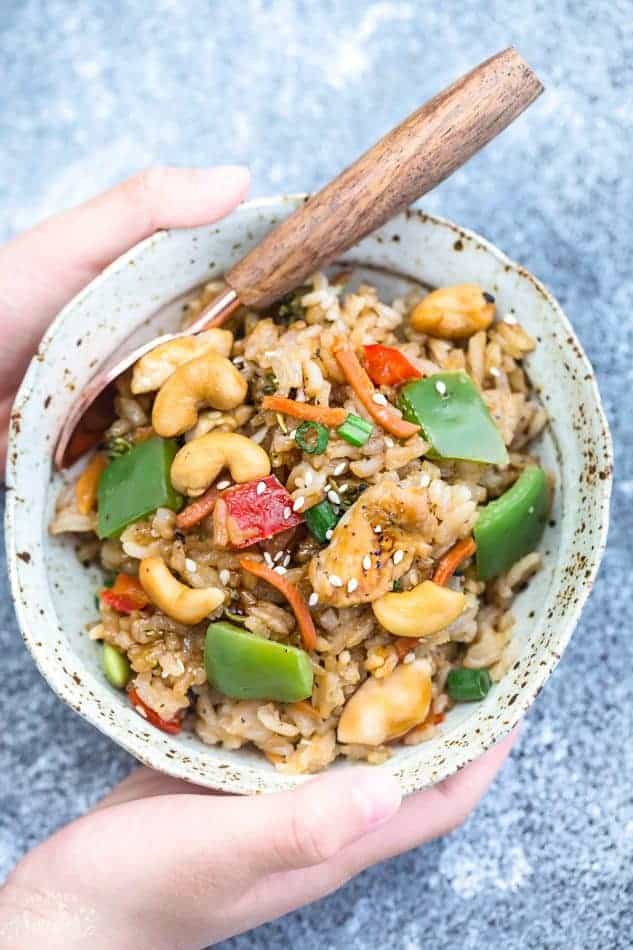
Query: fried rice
[{"x": 289, "y": 352}]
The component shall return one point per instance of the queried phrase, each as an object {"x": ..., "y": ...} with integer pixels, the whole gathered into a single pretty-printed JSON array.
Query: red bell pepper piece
[
  {"x": 387, "y": 366},
  {"x": 172, "y": 726},
  {"x": 255, "y": 511},
  {"x": 126, "y": 595}
]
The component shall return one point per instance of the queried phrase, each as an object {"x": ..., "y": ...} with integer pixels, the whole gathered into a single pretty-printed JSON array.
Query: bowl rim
[{"x": 154, "y": 755}]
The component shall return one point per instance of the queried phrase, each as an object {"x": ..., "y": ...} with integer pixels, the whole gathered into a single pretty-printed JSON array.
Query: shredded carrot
[
  {"x": 88, "y": 483},
  {"x": 305, "y": 708},
  {"x": 386, "y": 416},
  {"x": 404, "y": 645},
  {"x": 292, "y": 595},
  {"x": 452, "y": 559},
  {"x": 305, "y": 410},
  {"x": 195, "y": 512}
]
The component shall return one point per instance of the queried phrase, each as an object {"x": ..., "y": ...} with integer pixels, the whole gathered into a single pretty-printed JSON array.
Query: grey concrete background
[{"x": 89, "y": 91}]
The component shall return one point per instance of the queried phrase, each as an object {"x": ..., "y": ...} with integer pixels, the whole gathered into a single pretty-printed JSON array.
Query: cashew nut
[
  {"x": 419, "y": 612},
  {"x": 198, "y": 463},
  {"x": 184, "y": 604},
  {"x": 153, "y": 369},
  {"x": 384, "y": 709},
  {"x": 207, "y": 380},
  {"x": 454, "y": 313}
]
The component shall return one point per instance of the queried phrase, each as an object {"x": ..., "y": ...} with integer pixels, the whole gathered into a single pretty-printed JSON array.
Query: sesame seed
[
  {"x": 494, "y": 371},
  {"x": 221, "y": 485},
  {"x": 343, "y": 488},
  {"x": 225, "y": 577},
  {"x": 366, "y": 562},
  {"x": 425, "y": 480},
  {"x": 237, "y": 360},
  {"x": 268, "y": 559},
  {"x": 379, "y": 399},
  {"x": 398, "y": 556},
  {"x": 334, "y": 497},
  {"x": 389, "y": 442},
  {"x": 510, "y": 319},
  {"x": 286, "y": 561},
  {"x": 340, "y": 468},
  {"x": 261, "y": 488},
  {"x": 292, "y": 433},
  {"x": 352, "y": 584},
  {"x": 409, "y": 658},
  {"x": 287, "y": 513},
  {"x": 278, "y": 556},
  {"x": 298, "y": 503},
  {"x": 309, "y": 478},
  {"x": 377, "y": 529},
  {"x": 328, "y": 534},
  {"x": 280, "y": 569},
  {"x": 335, "y": 580},
  {"x": 441, "y": 387},
  {"x": 191, "y": 566},
  {"x": 313, "y": 599}
]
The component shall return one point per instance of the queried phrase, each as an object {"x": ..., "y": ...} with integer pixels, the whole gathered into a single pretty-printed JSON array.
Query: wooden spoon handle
[{"x": 406, "y": 163}]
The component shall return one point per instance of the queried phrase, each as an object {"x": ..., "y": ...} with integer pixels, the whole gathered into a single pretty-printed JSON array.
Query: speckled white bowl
[{"x": 141, "y": 292}]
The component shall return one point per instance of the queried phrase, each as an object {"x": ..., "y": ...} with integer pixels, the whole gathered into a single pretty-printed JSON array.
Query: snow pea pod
[
  {"x": 511, "y": 526},
  {"x": 453, "y": 418},
  {"x": 136, "y": 484},
  {"x": 244, "y": 666}
]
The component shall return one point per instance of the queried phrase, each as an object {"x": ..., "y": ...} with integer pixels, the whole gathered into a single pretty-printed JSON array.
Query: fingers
[
  {"x": 421, "y": 817},
  {"x": 430, "y": 813},
  {"x": 155, "y": 198},
  {"x": 146, "y": 783},
  {"x": 46, "y": 266},
  {"x": 318, "y": 820}
]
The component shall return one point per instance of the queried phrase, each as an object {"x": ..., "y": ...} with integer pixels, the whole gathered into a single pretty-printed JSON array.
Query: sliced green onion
[
  {"x": 118, "y": 446},
  {"x": 467, "y": 686},
  {"x": 312, "y": 437},
  {"x": 270, "y": 383},
  {"x": 355, "y": 430},
  {"x": 321, "y": 519}
]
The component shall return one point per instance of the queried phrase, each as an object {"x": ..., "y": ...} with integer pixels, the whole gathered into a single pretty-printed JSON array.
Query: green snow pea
[
  {"x": 453, "y": 418},
  {"x": 244, "y": 666},
  {"x": 116, "y": 666},
  {"x": 511, "y": 526},
  {"x": 136, "y": 484}
]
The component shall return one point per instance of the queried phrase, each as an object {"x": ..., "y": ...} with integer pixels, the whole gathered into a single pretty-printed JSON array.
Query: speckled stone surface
[{"x": 93, "y": 90}]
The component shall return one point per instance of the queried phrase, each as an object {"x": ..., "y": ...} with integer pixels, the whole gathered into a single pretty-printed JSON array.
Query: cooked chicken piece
[{"x": 373, "y": 544}]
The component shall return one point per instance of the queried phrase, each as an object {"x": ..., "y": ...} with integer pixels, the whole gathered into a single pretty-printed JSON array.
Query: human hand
[
  {"x": 159, "y": 863},
  {"x": 165, "y": 866},
  {"x": 43, "y": 268}
]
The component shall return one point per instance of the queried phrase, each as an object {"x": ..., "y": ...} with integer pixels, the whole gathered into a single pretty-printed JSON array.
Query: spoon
[{"x": 408, "y": 162}]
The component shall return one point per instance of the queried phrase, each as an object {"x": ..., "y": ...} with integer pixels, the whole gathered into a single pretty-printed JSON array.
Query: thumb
[{"x": 316, "y": 821}]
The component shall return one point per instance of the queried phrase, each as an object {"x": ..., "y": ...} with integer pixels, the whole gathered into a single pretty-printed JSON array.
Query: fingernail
[{"x": 378, "y": 795}]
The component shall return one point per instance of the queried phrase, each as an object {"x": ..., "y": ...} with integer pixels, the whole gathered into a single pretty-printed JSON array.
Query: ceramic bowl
[{"x": 141, "y": 293}]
